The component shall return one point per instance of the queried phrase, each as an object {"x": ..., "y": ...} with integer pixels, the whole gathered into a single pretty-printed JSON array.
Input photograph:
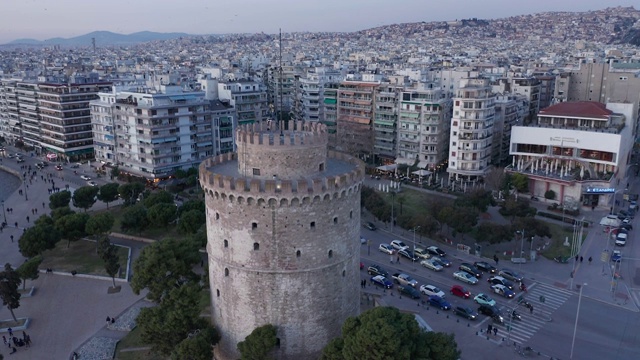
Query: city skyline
[{"x": 203, "y": 17}]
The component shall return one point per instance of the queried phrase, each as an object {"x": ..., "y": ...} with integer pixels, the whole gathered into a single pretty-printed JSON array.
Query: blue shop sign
[{"x": 600, "y": 191}]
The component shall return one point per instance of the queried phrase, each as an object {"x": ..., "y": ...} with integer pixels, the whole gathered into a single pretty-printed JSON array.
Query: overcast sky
[{"x": 44, "y": 19}]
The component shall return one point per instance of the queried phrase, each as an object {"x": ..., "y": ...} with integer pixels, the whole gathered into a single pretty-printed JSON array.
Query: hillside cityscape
[{"x": 257, "y": 171}]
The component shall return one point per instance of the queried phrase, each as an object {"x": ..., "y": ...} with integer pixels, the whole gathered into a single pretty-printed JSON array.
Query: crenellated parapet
[{"x": 294, "y": 134}]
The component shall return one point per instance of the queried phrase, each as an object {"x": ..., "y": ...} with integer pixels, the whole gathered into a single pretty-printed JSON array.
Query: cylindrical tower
[{"x": 283, "y": 225}]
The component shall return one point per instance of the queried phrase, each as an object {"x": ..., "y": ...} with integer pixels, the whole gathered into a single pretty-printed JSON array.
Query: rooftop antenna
[{"x": 281, "y": 121}]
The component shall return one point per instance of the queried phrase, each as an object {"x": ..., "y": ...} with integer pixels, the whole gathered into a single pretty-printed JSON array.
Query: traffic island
[{"x": 21, "y": 324}]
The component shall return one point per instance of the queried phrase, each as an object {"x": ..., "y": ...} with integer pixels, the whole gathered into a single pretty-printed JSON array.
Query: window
[
  {"x": 321, "y": 167},
  {"x": 256, "y": 246},
  {"x": 256, "y": 172},
  {"x": 298, "y": 253},
  {"x": 330, "y": 254},
  {"x": 254, "y": 226},
  {"x": 313, "y": 224},
  {"x": 226, "y": 243},
  {"x": 226, "y": 271},
  {"x": 218, "y": 292},
  {"x": 351, "y": 214},
  {"x": 453, "y": 153},
  {"x": 344, "y": 273},
  {"x": 335, "y": 220},
  {"x": 217, "y": 216}
]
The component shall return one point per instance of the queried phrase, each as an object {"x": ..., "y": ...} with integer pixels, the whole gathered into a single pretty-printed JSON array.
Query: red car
[{"x": 461, "y": 291}]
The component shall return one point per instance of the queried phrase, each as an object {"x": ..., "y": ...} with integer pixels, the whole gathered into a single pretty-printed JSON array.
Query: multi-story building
[
  {"x": 530, "y": 88},
  {"x": 309, "y": 94},
  {"x": 9, "y": 115},
  {"x": 281, "y": 92},
  {"x": 355, "y": 117},
  {"x": 330, "y": 111},
  {"x": 547, "y": 89},
  {"x": 27, "y": 95},
  {"x": 423, "y": 127},
  {"x": 385, "y": 123},
  {"x": 249, "y": 98},
  {"x": 511, "y": 110},
  {"x": 577, "y": 150},
  {"x": 471, "y": 136},
  {"x": 153, "y": 134}
]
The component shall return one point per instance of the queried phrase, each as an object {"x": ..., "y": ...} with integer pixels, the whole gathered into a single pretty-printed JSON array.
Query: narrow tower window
[
  {"x": 226, "y": 243},
  {"x": 313, "y": 224},
  {"x": 298, "y": 253},
  {"x": 226, "y": 271},
  {"x": 254, "y": 226},
  {"x": 256, "y": 246},
  {"x": 330, "y": 253}
]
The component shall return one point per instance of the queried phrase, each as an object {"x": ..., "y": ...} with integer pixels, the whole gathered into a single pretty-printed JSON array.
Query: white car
[
  {"x": 92, "y": 183},
  {"x": 431, "y": 290},
  {"x": 431, "y": 265},
  {"x": 421, "y": 253},
  {"x": 465, "y": 277},
  {"x": 398, "y": 245},
  {"x": 85, "y": 177},
  {"x": 386, "y": 248}
]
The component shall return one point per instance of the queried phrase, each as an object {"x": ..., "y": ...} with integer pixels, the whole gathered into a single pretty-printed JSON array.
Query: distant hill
[{"x": 102, "y": 38}]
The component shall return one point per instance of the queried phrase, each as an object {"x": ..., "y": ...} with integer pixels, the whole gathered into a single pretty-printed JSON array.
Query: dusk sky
[{"x": 44, "y": 19}]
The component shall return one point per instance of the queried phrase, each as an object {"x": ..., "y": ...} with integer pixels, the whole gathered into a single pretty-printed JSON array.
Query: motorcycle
[
  {"x": 523, "y": 287},
  {"x": 525, "y": 303},
  {"x": 515, "y": 315}
]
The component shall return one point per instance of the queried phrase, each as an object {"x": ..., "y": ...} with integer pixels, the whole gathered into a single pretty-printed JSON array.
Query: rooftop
[{"x": 587, "y": 109}]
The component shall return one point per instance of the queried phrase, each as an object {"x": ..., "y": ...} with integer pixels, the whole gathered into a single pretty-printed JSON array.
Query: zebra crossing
[{"x": 522, "y": 330}]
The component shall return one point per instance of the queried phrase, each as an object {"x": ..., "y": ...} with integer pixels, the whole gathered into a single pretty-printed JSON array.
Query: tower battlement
[{"x": 294, "y": 134}]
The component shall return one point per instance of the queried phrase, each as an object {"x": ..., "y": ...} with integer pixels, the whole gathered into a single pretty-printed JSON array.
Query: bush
[{"x": 550, "y": 195}]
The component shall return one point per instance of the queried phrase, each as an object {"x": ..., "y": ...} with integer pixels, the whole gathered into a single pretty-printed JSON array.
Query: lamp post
[
  {"x": 414, "y": 237},
  {"x": 521, "y": 246},
  {"x": 26, "y": 198},
  {"x": 4, "y": 213},
  {"x": 575, "y": 327}
]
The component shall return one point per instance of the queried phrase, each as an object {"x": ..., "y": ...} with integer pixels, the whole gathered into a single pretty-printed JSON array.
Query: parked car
[
  {"x": 421, "y": 253},
  {"x": 511, "y": 275},
  {"x": 434, "y": 250},
  {"x": 465, "y": 277},
  {"x": 439, "y": 302},
  {"x": 501, "y": 281},
  {"x": 408, "y": 254},
  {"x": 616, "y": 255},
  {"x": 503, "y": 290},
  {"x": 407, "y": 290},
  {"x": 371, "y": 226},
  {"x": 377, "y": 270},
  {"x": 621, "y": 239},
  {"x": 460, "y": 291},
  {"x": 382, "y": 281},
  {"x": 431, "y": 265},
  {"x": 431, "y": 290},
  {"x": 470, "y": 269},
  {"x": 484, "y": 299},
  {"x": 485, "y": 266},
  {"x": 465, "y": 312},
  {"x": 627, "y": 227},
  {"x": 75, "y": 166},
  {"x": 386, "y": 248},
  {"x": 398, "y": 245},
  {"x": 492, "y": 312}
]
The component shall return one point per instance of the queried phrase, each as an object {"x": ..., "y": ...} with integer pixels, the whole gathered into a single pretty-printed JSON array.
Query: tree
[
  {"x": 29, "y": 270},
  {"x": 550, "y": 194},
  {"x": 493, "y": 233},
  {"x": 520, "y": 182},
  {"x": 129, "y": 192},
  {"x": 58, "y": 213},
  {"x": 161, "y": 214},
  {"x": 478, "y": 198},
  {"x": 191, "y": 221},
  {"x": 365, "y": 337},
  {"x": 163, "y": 265},
  {"x": 496, "y": 179},
  {"x": 99, "y": 224},
  {"x": 59, "y": 199},
  {"x": 37, "y": 239},
  {"x": 115, "y": 172},
  {"x": 160, "y": 197},
  {"x": 9, "y": 282},
  {"x": 134, "y": 219},
  {"x": 464, "y": 219},
  {"x": 166, "y": 325},
  {"x": 191, "y": 205},
  {"x": 258, "y": 344},
  {"x": 84, "y": 197},
  {"x": 111, "y": 262},
  {"x": 72, "y": 227},
  {"x": 108, "y": 193},
  {"x": 197, "y": 347}
]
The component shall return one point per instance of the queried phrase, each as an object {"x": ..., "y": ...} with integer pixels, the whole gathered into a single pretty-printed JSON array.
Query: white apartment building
[
  {"x": 471, "y": 136},
  {"x": 578, "y": 150},
  {"x": 249, "y": 98},
  {"x": 511, "y": 110}
]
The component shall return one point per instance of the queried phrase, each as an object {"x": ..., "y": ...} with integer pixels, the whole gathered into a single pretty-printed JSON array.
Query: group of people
[{"x": 15, "y": 341}]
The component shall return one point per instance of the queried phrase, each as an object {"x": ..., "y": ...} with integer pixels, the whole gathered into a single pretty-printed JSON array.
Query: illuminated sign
[{"x": 600, "y": 191}]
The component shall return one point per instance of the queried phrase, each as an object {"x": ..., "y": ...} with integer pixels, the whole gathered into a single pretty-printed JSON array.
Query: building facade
[
  {"x": 249, "y": 98},
  {"x": 355, "y": 118},
  {"x": 283, "y": 226}
]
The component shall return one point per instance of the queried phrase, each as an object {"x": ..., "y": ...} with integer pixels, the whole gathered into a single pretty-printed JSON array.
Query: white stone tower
[{"x": 283, "y": 225}]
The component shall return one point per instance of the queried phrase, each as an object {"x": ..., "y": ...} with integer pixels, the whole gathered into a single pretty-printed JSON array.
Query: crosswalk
[{"x": 522, "y": 330}]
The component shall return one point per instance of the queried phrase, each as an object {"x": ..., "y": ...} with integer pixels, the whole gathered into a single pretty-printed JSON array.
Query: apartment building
[
  {"x": 10, "y": 128},
  {"x": 470, "y": 142},
  {"x": 385, "y": 123},
  {"x": 578, "y": 150},
  {"x": 423, "y": 127},
  {"x": 154, "y": 133},
  {"x": 249, "y": 98},
  {"x": 281, "y": 87},
  {"x": 355, "y": 117},
  {"x": 530, "y": 88},
  {"x": 330, "y": 111},
  {"x": 511, "y": 110},
  {"x": 309, "y": 93}
]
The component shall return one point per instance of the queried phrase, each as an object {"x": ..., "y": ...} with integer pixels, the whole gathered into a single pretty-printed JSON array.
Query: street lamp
[
  {"x": 414, "y": 237},
  {"x": 521, "y": 246},
  {"x": 4, "y": 213},
  {"x": 575, "y": 327},
  {"x": 26, "y": 198}
]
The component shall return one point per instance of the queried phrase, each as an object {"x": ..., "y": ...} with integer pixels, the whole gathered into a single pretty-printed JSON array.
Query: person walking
[
  {"x": 397, "y": 258},
  {"x": 495, "y": 331},
  {"x": 577, "y": 257},
  {"x": 581, "y": 258},
  {"x": 495, "y": 258},
  {"x": 590, "y": 260},
  {"x": 489, "y": 329},
  {"x": 531, "y": 309}
]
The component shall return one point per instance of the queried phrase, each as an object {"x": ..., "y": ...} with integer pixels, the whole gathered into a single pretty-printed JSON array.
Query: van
[{"x": 621, "y": 239}]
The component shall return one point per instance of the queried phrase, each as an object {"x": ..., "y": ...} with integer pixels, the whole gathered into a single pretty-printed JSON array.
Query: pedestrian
[
  {"x": 28, "y": 340},
  {"x": 36, "y": 210},
  {"x": 397, "y": 258},
  {"x": 10, "y": 331},
  {"x": 495, "y": 258},
  {"x": 576, "y": 257},
  {"x": 108, "y": 320},
  {"x": 391, "y": 258},
  {"x": 11, "y": 238},
  {"x": 16, "y": 224},
  {"x": 43, "y": 205},
  {"x": 590, "y": 260},
  {"x": 4, "y": 338},
  {"x": 27, "y": 218},
  {"x": 495, "y": 331},
  {"x": 531, "y": 309},
  {"x": 113, "y": 320},
  {"x": 489, "y": 329},
  {"x": 581, "y": 258}
]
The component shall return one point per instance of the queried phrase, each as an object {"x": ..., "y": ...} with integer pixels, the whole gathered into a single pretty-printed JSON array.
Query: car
[
  {"x": 633, "y": 205},
  {"x": 627, "y": 227},
  {"x": 501, "y": 281},
  {"x": 11, "y": 156},
  {"x": 470, "y": 269},
  {"x": 484, "y": 299},
  {"x": 75, "y": 166},
  {"x": 408, "y": 254},
  {"x": 492, "y": 312},
  {"x": 439, "y": 302},
  {"x": 431, "y": 265},
  {"x": 621, "y": 239},
  {"x": 465, "y": 277},
  {"x": 92, "y": 183},
  {"x": 398, "y": 245},
  {"x": 382, "y": 281},
  {"x": 434, "y": 250},
  {"x": 485, "y": 266},
  {"x": 460, "y": 291},
  {"x": 431, "y": 290},
  {"x": 58, "y": 167},
  {"x": 503, "y": 290},
  {"x": 408, "y": 290},
  {"x": 465, "y": 312},
  {"x": 626, "y": 221},
  {"x": 616, "y": 255},
  {"x": 386, "y": 248},
  {"x": 371, "y": 226},
  {"x": 421, "y": 253},
  {"x": 442, "y": 261},
  {"x": 85, "y": 177},
  {"x": 362, "y": 240},
  {"x": 377, "y": 270},
  {"x": 19, "y": 160},
  {"x": 511, "y": 275}
]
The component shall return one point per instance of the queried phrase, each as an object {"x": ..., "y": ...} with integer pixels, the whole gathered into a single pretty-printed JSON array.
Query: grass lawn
[
  {"x": 81, "y": 256},
  {"x": 558, "y": 234},
  {"x": 413, "y": 202},
  {"x": 171, "y": 231}
]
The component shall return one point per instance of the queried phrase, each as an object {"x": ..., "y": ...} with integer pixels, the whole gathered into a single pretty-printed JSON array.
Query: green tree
[
  {"x": 191, "y": 221},
  {"x": 108, "y": 193},
  {"x": 111, "y": 262},
  {"x": 191, "y": 205},
  {"x": 161, "y": 214},
  {"x": 129, "y": 192},
  {"x": 59, "y": 199},
  {"x": 115, "y": 172},
  {"x": 29, "y": 270},
  {"x": 84, "y": 197},
  {"x": 493, "y": 233},
  {"x": 72, "y": 227},
  {"x": 520, "y": 182},
  {"x": 134, "y": 219},
  {"x": 99, "y": 224},
  {"x": 464, "y": 219},
  {"x": 531, "y": 227},
  {"x": 365, "y": 337},
  {"x": 159, "y": 197},
  {"x": 198, "y": 347},
  {"x": 37, "y": 239},
  {"x": 60, "y": 212},
  {"x": 550, "y": 194},
  {"x": 44, "y": 220},
  {"x": 9, "y": 282},
  {"x": 180, "y": 174},
  {"x": 164, "y": 265},
  {"x": 479, "y": 199},
  {"x": 258, "y": 344},
  {"x": 166, "y": 325}
]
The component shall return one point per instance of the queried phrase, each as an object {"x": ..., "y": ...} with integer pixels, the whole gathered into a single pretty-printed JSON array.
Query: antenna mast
[{"x": 281, "y": 120}]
